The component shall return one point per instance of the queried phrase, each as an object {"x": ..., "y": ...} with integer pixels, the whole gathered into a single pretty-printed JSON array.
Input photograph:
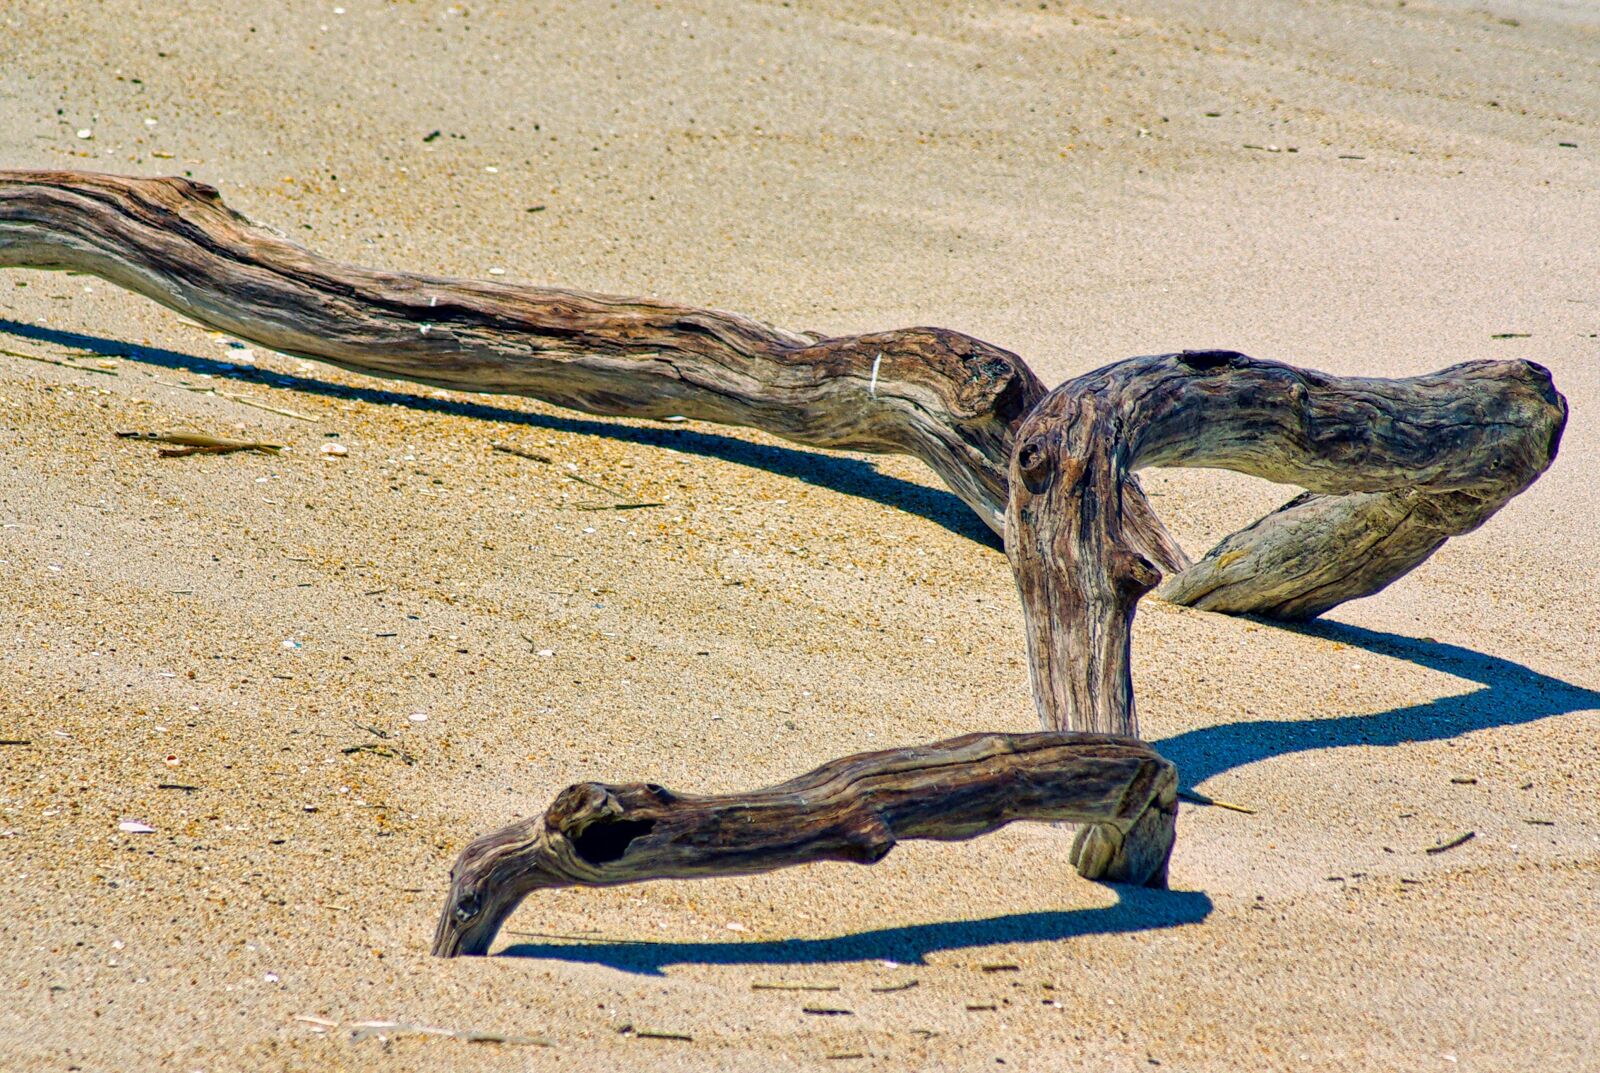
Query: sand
[{"x": 1075, "y": 184}]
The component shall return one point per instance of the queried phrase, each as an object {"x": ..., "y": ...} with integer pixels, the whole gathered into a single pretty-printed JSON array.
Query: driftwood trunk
[
  {"x": 852, "y": 809},
  {"x": 940, "y": 396}
]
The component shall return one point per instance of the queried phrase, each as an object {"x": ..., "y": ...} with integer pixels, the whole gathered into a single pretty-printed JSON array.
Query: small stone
[{"x": 86, "y": 134}]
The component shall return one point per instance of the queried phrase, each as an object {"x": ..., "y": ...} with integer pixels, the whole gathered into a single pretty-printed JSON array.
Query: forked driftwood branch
[
  {"x": 852, "y": 809},
  {"x": 1393, "y": 468}
]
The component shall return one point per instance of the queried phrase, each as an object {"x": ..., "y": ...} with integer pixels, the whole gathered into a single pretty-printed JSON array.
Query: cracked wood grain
[
  {"x": 852, "y": 809},
  {"x": 1392, "y": 469},
  {"x": 940, "y": 396}
]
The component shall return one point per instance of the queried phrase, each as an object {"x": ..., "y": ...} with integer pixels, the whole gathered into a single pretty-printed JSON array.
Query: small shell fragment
[
  {"x": 134, "y": 827},
  {"x": 335, "y": 450}
]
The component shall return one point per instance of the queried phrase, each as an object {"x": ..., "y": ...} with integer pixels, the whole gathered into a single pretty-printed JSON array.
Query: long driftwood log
[
  {"x": 851, "y": 809},
  {"x": 940, "y": 396}
]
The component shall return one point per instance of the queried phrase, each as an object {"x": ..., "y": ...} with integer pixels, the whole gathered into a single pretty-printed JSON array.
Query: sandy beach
[{"x": 316, "y": 677}]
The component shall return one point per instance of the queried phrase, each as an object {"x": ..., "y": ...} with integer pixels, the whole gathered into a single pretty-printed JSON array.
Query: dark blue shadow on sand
[
  {"x": 850, "y": 476},
  {"x": 1136, "y": 909},
  {"x": 1511, "y": 695}
]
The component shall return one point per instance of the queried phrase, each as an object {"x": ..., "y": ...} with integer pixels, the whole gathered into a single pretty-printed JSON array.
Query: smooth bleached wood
[
  {"x": 852, "y": 809},
  {"x": 1393, "y": 468}
]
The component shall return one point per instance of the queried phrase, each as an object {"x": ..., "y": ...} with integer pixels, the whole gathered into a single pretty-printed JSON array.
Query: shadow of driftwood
[
  {"x": 850, "y": 476},
  {"x": 1136, "y": 909},
  {"x": 1512, "y": 695}
]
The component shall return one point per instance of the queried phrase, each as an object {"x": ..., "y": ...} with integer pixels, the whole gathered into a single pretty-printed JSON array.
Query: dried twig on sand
[{"x": 198, "y": 443}]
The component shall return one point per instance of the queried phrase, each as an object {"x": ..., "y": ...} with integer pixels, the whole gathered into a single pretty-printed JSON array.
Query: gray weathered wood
[
  {"x": 953, "y": 401},
  {"x": 852, "y": 809},
  {"x": 1393, "y": 468}
]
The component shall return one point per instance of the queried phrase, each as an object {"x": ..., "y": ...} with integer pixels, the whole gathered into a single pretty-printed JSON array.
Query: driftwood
[
  {"x": 943, "y": 397},
  {"x": 851, "y": 809},
  {"x": 1393, "y": 468},
  {"x": 955, "y": 402}
]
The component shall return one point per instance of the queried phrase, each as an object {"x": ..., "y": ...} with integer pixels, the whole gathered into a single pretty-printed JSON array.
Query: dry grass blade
[
  {"x": 233, "y": 396},
  {"x": 282, "y": 411},
  {"x": 1194, "y": 797},
  {"x": 506, "y": 448}
]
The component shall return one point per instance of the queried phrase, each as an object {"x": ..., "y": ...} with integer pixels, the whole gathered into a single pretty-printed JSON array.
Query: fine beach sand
[{"x": 1076, "y": 184}]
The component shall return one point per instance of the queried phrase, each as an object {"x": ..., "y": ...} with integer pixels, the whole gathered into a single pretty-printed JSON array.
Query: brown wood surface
[{"x": 852, "y": 809}]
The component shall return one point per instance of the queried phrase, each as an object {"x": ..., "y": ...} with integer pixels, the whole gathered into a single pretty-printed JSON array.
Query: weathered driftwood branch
[
  {"x": 953, "y": 401},
  {"x": 852, "y": 809},
  {"x": 1393, "y": 468},
  {"x": 943, "y": 397}
]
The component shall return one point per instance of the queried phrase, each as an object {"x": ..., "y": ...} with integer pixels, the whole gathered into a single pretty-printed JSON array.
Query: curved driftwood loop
[
  {"x": 1392, "y": 468},
  {"x": 940, "y": 396},
  {"x": 852, "y": 809}
]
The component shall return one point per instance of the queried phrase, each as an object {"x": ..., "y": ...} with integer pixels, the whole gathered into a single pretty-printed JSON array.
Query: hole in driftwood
[
  {"x": 601, "y": 843},
  {"x": 1206, "y": 360}
]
